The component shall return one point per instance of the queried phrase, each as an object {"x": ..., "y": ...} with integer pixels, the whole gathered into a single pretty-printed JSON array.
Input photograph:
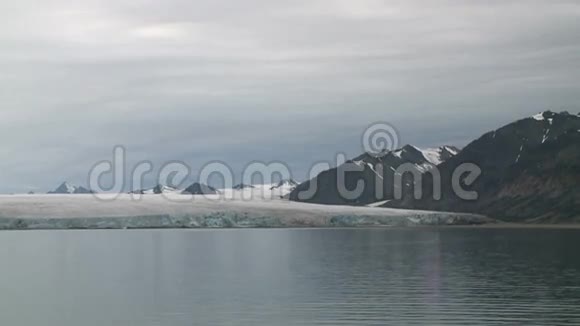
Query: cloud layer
[{"x": 267, "y": 80}]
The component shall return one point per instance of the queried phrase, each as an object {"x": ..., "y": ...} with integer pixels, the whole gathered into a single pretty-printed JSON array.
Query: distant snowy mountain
[
  {"x": 83, "y": 190},
  {"x": 269, "y": 191},
  {"x": 285, "y": 183},
  {"x": 67, "y": 188},
  {"x": 242, "y": 186},
  {"x": 159, "y": 189},
  {"x": 200, "y": 189}
]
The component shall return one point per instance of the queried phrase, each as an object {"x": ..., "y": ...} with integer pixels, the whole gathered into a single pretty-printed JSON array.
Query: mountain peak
[
  {"x": 542, "y": 115},
  {"x": 410, "y": 147},
  {"x": 284, "y": 183},
  {"x": 200, "y": 189},
  {"x": 405, "y": 150},
  {"x": 547, "y": 115},
  {"x": 67, "y": 188},
  {"x": 417, "y": 155},
  {"x": 440, "y": 154}
]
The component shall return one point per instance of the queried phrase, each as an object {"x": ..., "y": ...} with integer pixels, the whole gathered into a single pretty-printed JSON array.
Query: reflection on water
[{"x": 291, "y": 277}]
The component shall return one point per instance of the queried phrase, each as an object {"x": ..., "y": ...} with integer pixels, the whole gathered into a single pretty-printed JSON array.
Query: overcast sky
[{"x": 293, "y": 80}]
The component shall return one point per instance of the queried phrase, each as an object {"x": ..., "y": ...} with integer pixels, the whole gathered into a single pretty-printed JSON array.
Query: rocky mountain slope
[
  {"x": 530, "y": 172},
  {"x": 377, "y": 172}
]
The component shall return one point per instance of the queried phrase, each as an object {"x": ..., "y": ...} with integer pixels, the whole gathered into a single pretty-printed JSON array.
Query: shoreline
[{"x": 511, "y": 226}]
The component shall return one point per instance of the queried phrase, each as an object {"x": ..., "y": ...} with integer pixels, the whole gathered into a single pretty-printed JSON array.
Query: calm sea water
[{"x": 291, "y": 277}]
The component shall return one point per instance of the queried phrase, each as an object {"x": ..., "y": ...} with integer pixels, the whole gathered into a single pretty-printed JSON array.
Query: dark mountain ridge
[
  {"x": 377, "y": 172},
  {"x": 530, "y": 172}
]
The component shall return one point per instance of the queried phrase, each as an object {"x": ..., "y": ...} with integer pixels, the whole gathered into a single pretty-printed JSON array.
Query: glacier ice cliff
[{"x": 177, "y": 211}]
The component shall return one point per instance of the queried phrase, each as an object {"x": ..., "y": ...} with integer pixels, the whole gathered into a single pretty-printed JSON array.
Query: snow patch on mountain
[
  {"x": 539, "y": 116},
  {"x": 549, "y": 116},
  {"x": 65, "y": 188},
  {"x": 519, "y": 154},
  {"x": 439, "y": 155},
  {"x": 159, "y": 189},
  {"x": 398, "y": 153},
  {"x": 546, "y": 135},
  {"x": 372, "y": 167},
  {"x": 269, "y": 191},
  {"x": 284, "y": 183}
]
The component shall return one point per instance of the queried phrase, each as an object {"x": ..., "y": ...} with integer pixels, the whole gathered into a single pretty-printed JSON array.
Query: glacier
[{"x": 46, "y": 212}]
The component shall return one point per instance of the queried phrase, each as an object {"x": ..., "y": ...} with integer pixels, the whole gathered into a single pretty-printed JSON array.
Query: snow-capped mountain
[
  {"x": 439, "y": 155},
  {"x": 529, "y": 172},
  {"x": 423, "y": 159},
  {"x": 382, "y": 166},
  {"x": 67, "y": 188},
  {"x": 200, "y": 189},
  {"x": 274, "y": 191},
  {"x": 159, "y": 189},
  {"x": 285, "y": 183}
]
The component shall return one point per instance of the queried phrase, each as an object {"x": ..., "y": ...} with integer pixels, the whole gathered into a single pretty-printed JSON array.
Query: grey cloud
[{"x": 270, "y": 80}]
